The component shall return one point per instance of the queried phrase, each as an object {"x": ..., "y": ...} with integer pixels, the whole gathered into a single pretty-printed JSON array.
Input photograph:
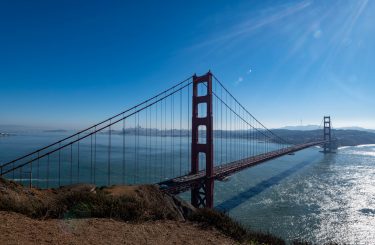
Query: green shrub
[{"x": 96, "y": 205}]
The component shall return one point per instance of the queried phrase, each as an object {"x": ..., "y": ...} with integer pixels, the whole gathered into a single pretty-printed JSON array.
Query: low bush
[
  {"x": 145, "y": 203},
  {"x": 96, "y": 205}
]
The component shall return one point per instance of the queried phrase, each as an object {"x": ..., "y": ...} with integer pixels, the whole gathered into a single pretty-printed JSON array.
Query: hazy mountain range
[
  {"x": 348, "y": 136},
  {"x": 8, "y": 128},
  {"x": 315, "y": 127}
]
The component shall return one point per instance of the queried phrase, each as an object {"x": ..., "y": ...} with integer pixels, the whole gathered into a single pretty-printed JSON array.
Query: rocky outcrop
[{"x": 185, "y": 208}]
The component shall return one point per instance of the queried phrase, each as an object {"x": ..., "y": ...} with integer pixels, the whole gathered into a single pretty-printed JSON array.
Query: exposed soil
[{"x": 19, "y": 229}]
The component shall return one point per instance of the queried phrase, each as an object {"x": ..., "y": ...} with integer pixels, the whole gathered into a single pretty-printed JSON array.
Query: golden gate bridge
[{"x": 182, "y": 139}]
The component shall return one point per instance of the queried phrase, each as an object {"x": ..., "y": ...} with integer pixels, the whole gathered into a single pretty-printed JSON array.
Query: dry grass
[
  {"x": 231, "y": 228},
  {"x": 141, "y": 204},
  {"x": 16, "y": 229}
]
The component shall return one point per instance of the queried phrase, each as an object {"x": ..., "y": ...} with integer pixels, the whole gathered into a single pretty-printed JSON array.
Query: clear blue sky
[{"x": 72, "y": 63}]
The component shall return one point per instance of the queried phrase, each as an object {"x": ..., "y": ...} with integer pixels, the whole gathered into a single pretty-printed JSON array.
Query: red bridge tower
[
  {"x": 202, "y": 195},
  {"x": 327, "y": 134}
]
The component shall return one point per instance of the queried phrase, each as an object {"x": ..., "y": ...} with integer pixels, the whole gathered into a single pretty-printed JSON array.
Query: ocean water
[{"x": 310, "y": 195}]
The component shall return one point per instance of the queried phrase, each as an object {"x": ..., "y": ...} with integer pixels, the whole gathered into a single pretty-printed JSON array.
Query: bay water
[{"x": 310, "y": 195}]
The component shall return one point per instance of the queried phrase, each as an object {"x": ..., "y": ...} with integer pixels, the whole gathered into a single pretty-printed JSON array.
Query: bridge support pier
[{"x": 202, "y": 195}]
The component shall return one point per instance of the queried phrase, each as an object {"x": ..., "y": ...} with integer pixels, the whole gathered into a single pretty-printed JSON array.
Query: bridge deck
[{"x": 184, "y": 183}]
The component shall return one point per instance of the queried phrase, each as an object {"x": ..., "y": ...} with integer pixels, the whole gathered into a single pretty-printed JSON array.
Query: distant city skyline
[{"x": 70, "y": 64}]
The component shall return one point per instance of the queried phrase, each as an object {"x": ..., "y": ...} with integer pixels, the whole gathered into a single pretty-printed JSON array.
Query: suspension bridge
[{"x": 183, "y": 138}]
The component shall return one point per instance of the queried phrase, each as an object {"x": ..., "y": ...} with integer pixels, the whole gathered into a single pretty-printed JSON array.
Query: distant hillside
[
  {"x": 344, "y": 137},
  {"x": 315, "y": 127},
  {"x": 55, "y": 131},
  {"x": 2, "y": 134},
  {"x": 358, "y": 129},
  {"x": 301, "y": 128}
]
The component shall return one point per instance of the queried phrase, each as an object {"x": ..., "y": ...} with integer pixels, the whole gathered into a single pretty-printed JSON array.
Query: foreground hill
[{"x": 85, "y": 214}]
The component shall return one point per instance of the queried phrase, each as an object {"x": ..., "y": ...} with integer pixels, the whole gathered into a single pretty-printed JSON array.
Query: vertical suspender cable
[
  {"x": 95, "y": 157},
  {"x": 59, "y": 165},
  {"x": 71, "y": 163},
  {"x": 47, "y": 170},
  {"x": 91, "y": 159},
  {"x": 78, "y": 159},
  {"x": 123, "y": 151},
  {"x": 180, "y": 132},
  {"x": 109, "y": 153}
]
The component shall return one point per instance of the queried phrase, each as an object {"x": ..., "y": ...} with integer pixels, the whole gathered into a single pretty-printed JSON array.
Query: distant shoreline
[
  {"x": 345, "y": 137},
  {"x": 55, "y": 131},
  {"x": 5, "y": 134}
]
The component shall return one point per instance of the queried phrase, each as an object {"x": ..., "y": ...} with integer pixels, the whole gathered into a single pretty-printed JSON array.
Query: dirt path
[{"x": 19, "y": 229}]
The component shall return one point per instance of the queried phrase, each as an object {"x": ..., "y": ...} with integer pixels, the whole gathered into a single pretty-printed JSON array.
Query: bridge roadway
[{"x": 184, "y": 183}]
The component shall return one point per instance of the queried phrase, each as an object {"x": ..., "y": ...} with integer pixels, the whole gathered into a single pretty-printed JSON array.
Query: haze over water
[{"x": 309, "y": 195}]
